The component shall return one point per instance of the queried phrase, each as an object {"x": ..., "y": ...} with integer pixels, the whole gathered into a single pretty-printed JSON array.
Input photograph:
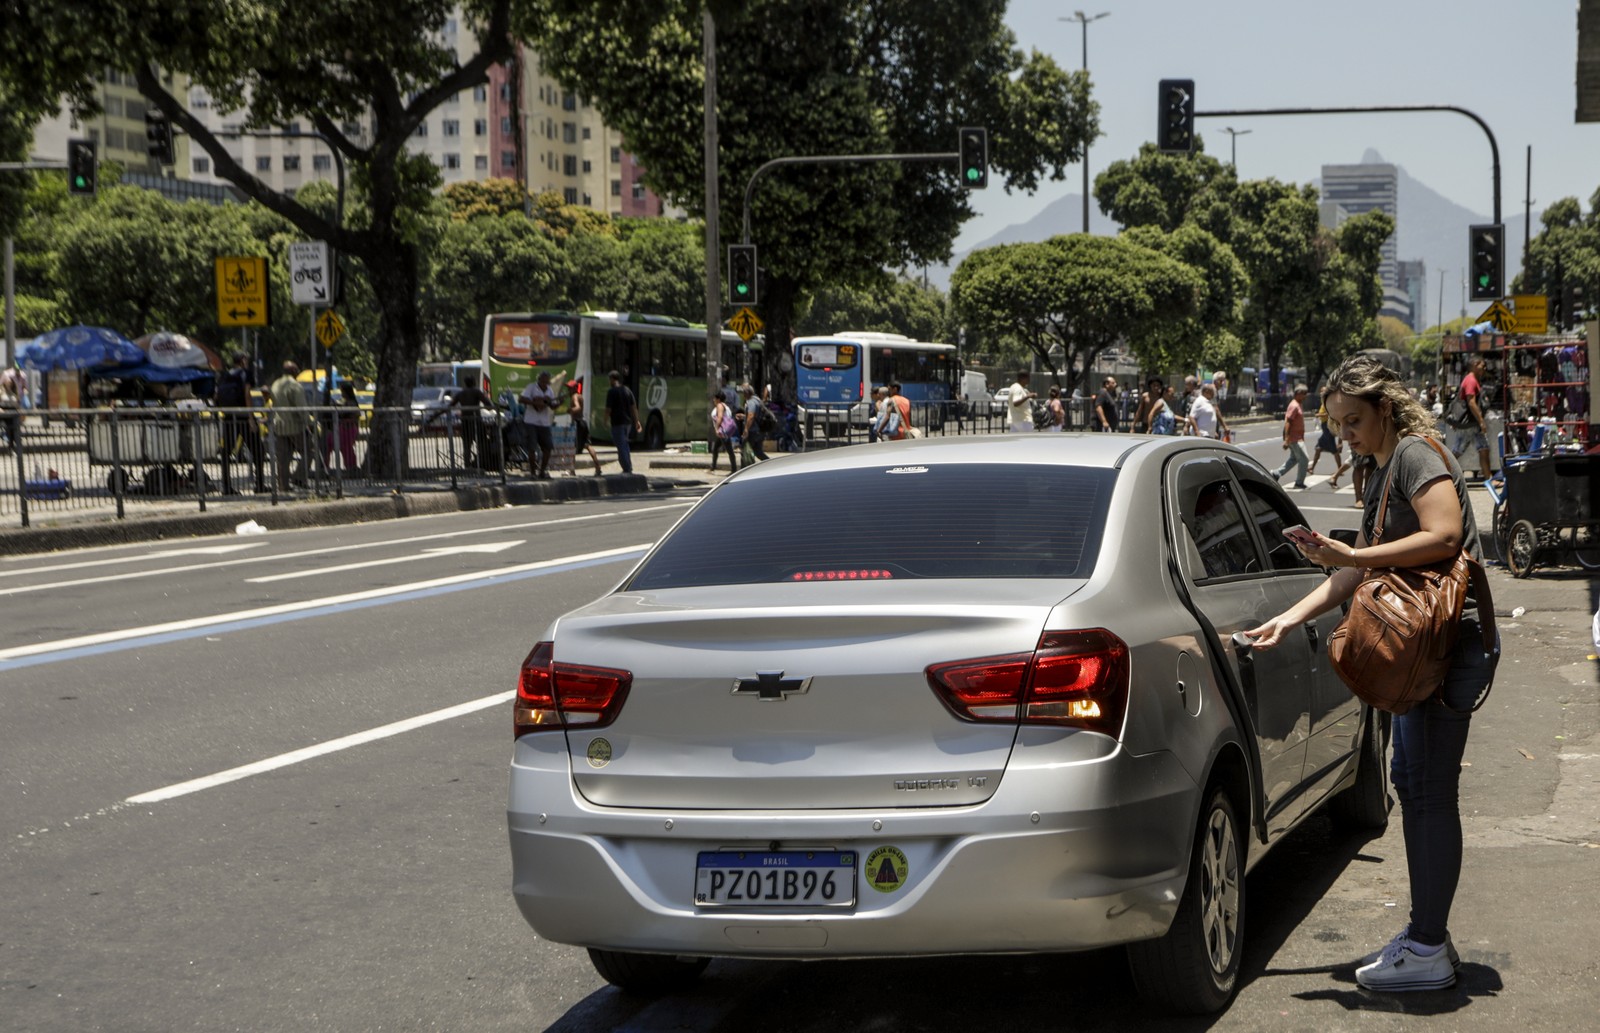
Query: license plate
[{"x": 788, "y": 878}]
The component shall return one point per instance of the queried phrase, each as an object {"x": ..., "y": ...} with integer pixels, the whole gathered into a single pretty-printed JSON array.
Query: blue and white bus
[{"x": 835, "y": 375}]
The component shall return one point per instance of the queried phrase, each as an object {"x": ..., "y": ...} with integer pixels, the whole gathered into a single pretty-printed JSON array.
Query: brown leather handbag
[{"x": 1397, "y": 641}]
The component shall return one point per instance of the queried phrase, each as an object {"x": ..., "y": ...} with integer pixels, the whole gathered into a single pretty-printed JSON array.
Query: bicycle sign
[{"x": 310, "y": 272}]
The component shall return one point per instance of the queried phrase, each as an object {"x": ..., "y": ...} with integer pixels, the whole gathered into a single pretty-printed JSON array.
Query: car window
[
  {"x": 947, "y": 520},
  {"x": 1216, "y": 523},
  {"x": 1272, "y": 514}
]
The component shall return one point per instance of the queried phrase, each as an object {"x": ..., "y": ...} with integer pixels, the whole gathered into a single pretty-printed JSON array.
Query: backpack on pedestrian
[
  {"x": 1459, "y": 414},
  {"x": 766, "y": 423}
]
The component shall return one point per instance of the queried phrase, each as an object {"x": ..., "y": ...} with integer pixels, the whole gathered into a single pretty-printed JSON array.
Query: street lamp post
[
  {"x": 1233, "y": 145},
  {"x": 1084, "y": 20}
]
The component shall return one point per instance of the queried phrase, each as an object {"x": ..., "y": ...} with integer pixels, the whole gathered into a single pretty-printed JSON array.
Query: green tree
[
  {"x": 901, "y": 307},
  {"x": 1564, "y": 261},
  {"x": 493, "y": 263},
  {"x": 1073, "y": 294},
  {"x": 1209, "y": 334},
  {"x": 329, "y": 65},
  {"x": 1273, "y": 232},
  {"x": 825, "y": 77},
  {"x": 1348, "y": 292},
  {"x": 1160, "y": 190}
]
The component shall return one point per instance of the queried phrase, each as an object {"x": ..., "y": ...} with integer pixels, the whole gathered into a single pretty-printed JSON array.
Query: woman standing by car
[{"x": 1427, "y": 520}]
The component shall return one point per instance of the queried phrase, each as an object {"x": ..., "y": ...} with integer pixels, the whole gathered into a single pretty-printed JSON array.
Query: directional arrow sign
[
  {"x": 425, "y": 554},
  {"x": 310, "y": 272},
  {"x": 241, "y": 291}
]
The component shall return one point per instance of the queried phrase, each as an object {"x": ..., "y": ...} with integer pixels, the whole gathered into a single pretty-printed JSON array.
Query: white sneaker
[
  {"x": 1399, "y": 967},
  {"x": 1405, "y": 934}
]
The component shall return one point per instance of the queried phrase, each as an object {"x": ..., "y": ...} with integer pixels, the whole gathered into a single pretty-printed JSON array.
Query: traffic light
[
  {"x": 1486, "y": 254},
  {"x": 1175, "y": 131},
  {"x": 158, "y": 137},
  {"x": 742, "y": 274},
  {"x": 974, "y": 149},
  {"x": 80, "y": 166}
]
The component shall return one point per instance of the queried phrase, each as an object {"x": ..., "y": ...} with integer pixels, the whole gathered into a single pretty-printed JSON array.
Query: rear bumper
[{"x": 1059, "y": 858}]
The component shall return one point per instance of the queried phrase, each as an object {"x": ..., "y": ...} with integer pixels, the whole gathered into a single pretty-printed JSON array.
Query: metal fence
[{"x": 117, "y": 458}]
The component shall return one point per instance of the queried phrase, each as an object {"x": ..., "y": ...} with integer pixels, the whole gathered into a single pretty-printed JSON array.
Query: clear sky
[{"x": 1510, "y": 61}]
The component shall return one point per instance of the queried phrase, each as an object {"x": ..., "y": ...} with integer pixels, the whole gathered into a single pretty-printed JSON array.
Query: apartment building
[{"x": 118, "y": 130}]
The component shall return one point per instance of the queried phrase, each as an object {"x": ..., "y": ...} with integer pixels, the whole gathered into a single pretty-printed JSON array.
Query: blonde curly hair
[{"x": 1363, "y": 377}]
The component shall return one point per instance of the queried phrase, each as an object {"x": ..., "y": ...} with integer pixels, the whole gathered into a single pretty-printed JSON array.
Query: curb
[{"x": 325, "y": 513}]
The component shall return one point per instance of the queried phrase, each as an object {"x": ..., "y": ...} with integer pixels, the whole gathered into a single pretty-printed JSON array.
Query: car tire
[
  {"x": 1194, "y": 968},
  {"x": 647, "y": 973},
  {"x": 1366, "y": 804}
]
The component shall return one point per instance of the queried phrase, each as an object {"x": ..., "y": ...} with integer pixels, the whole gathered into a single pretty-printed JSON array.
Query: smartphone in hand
[{"x": 1300, "y": 534}]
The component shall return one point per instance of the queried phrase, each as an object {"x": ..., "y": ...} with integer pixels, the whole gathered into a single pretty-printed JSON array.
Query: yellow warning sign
[
  {"x": 1500, "y": 316},
  {"x": 746, "y": 324},
  {"x": 887, "y": 869},
  {"x": 1531, "y": 314},
  {"x": 329, "y": 328},
  {"x": 241, "y": 290}
]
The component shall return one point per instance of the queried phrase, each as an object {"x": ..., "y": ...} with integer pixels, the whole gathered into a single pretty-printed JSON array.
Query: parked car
[
  {"x": 798, "y": 729},
  {"x": 430, "y": 409}
]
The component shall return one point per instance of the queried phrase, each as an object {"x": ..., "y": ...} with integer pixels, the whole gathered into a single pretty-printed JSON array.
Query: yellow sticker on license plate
[{"x": 786, "y": 878}]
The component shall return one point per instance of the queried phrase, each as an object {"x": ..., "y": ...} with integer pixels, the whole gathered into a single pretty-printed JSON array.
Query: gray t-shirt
[{"x": 1416, "y": 465}]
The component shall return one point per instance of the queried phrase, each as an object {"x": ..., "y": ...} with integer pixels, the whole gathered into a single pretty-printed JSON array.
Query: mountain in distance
[{"x": 1429, "y": 226}]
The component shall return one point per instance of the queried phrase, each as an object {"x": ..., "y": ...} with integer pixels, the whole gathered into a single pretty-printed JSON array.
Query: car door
[
  {"x": 1234, "y": 587},
  {"x": 1335, "y": 716}
]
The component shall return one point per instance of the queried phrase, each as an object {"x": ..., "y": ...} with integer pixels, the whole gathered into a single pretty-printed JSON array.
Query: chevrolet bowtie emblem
[{"x": 770, "y": 686}]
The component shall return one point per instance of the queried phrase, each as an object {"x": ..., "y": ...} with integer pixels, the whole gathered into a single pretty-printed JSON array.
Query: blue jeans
[
  {"x": 1429, "y": 742},
  {"x": 1297, "y": 458},
  {"x": 619, "y": 438}
]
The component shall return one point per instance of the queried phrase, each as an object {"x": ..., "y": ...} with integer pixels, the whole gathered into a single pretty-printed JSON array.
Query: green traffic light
[
  {"x": 80, "y": 182},
  {"x": 741, "y": 288},
  {"x": 1483, "y": 281},
  {"x": 974, "y": 175}
]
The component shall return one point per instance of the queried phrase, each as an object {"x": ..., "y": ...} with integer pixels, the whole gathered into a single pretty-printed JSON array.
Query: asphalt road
[{"x": 258, "y": 783}]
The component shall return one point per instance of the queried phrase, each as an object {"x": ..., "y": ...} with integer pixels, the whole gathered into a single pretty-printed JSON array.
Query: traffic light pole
[
  {"x": 830, "y": 159},
  {"x": 10, "y": 357},
  {"x": 1494, "y": 147}
]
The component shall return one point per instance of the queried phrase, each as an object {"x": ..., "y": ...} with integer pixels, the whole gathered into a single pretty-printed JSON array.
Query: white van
[{"x": 974, "y": 393}]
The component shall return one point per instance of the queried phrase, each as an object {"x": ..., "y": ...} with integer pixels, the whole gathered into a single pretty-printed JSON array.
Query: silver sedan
[{"x": 938, "y": 697}]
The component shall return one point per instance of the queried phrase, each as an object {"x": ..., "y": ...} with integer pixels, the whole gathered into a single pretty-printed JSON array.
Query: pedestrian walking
[
  {"x": 539, "y": 414},
  {"x": 1057, "y": 411},
  {"x": 1328, "y": 441},
  {"x": 1475, "y": 427},
  {"x": 622, "y": 411},
  {"x": 1294, "y": 437},
  {"x": 582, "y": 440},
  {"x": 750, "y": 430},
  {"x": 1105, "y": 407},
  {"x": 724, "y": 433},
  {"x": 234, "y": 389},
  {"x": 471, "y": 401},
  {"x": 1205, "y": 419},
  {"x": 1019, "y": 405},
  {"x": 1427, "y": 519},
  {"x": 290, "y": 422}
]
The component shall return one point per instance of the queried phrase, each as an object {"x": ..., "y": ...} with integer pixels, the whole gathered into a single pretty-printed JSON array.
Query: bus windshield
[{"x": 827, "y": 372}]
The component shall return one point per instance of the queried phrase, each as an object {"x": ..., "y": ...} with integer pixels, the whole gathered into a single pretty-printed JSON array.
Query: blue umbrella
[{"x": 78, "y": 347}]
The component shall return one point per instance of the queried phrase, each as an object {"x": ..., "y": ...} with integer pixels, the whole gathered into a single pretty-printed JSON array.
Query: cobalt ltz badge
[{"x": 886, "y": 869}]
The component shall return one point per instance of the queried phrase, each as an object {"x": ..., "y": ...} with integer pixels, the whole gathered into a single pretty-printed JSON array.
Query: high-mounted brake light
[
  {"x": 554, "y": 695},
  {"x": 1074, "y": 678},
  {"x": 842, "y": 575}
]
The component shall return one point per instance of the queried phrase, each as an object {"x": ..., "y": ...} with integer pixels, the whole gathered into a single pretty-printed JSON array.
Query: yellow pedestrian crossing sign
[
  {"x": 241, "y": 290},
  {"x": 329, "y": 328},
  {"x": 746, "y": 324},
  {"x": 1500, "y": 316}
]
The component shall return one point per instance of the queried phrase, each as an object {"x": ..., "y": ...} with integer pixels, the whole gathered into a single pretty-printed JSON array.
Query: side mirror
[{"x": 1345, "y": 535}]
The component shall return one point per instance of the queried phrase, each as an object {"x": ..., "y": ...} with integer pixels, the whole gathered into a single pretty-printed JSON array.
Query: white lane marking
[
  {"x": 283, "y": 760},
  {"x": 268, "y": 611},
  {"x": 165, "y": 554},
  {"x": 22, "y": 589},
  {"x": 425, "y": 554}
]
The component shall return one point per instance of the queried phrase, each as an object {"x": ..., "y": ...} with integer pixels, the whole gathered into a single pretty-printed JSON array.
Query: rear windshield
[{"x": 939, "y": 521}]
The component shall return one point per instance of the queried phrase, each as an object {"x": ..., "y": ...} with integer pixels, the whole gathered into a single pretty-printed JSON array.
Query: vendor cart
[
  {"x": 161, "y": 443},
  {"x": 1547, "y": 510}
]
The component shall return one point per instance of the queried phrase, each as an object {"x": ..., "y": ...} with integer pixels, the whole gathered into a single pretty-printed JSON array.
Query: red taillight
[
  {"x": 554, "y": 695},
  {"x": 1073, "y": 678}
]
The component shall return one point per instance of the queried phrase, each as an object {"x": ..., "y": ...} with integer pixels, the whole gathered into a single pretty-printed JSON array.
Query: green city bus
[{"x": 662, "y": 359}]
